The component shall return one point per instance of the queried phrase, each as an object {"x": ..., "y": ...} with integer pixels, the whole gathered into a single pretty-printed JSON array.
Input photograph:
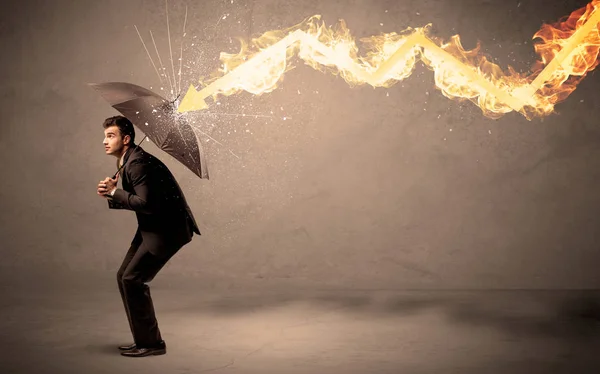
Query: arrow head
[{"x": 191, "y": 101}]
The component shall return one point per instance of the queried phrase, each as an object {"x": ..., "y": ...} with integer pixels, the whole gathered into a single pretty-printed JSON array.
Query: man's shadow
[
  {"x": 103, "y": 348},
  {"x": 560, "y": 314}
]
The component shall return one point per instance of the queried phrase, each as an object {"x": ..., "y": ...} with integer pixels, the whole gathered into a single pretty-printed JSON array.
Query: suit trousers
[{"x": 139, "y": 267}]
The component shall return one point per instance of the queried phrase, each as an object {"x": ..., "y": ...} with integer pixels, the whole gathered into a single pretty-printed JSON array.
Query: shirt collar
[{"x": 122, "y": 160}]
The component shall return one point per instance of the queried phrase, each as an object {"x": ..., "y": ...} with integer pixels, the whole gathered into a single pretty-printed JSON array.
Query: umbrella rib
[{"x": 132, "y": 103}]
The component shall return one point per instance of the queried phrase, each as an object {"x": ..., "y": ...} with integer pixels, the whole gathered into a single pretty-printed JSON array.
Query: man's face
[{"x": 113, "y": 141}]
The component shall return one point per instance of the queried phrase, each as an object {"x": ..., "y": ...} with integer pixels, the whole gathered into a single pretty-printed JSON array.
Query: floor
[{"x": 51, "y": 329}]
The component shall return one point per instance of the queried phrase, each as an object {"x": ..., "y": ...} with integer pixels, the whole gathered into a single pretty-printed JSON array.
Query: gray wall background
[{"x": 358, "y": 188}]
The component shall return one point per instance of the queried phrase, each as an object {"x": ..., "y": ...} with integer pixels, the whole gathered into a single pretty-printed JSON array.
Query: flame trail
[{"x": 569, "y": 50}]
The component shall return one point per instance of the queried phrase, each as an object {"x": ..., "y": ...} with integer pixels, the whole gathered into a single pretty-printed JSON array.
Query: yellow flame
[{"x": 568, "y": 50}]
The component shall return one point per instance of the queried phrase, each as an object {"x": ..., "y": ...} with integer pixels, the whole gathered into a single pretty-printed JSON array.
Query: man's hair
[{"x": 125, "y": 127}]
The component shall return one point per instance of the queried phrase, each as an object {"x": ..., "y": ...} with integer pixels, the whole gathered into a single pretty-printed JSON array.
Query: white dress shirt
[{"x": 112, "y": 192}]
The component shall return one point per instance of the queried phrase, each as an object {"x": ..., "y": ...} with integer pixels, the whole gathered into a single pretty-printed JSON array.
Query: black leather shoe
[
  {"x": 127, "y": 347},
  {"x": 143, "y": 352}
]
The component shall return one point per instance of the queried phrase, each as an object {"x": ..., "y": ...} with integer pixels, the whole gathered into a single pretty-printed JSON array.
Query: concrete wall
[{"x": 358, "y": 187}]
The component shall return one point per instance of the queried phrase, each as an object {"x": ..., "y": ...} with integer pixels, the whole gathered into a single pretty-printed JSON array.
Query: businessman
[{"x": 165, "y": 225}]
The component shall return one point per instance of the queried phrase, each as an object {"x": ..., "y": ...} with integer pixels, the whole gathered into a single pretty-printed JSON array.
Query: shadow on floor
[{"x": 565, "y": 314}]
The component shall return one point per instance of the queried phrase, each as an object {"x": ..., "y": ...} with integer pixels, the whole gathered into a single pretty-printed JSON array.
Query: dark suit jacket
[{"x": 151, "y": 191}]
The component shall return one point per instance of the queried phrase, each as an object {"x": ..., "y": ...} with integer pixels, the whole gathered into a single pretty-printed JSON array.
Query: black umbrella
[{"x": 158, "y": 119}]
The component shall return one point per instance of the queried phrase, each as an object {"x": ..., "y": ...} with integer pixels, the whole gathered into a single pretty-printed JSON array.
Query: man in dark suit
[{"x": 165, "y": 225}]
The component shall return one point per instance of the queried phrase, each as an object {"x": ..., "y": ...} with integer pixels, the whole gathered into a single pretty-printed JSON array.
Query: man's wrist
[{"x": 112, "y": 192}]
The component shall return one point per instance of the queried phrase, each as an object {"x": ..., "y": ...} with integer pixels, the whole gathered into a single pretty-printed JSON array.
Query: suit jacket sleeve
[
  {"x": 142, "y": 199},
  {"x": 113, "y": 204}
]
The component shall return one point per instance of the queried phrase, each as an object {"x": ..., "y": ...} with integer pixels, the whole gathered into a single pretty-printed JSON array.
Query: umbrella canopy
[{"x": 158, "y": 119}]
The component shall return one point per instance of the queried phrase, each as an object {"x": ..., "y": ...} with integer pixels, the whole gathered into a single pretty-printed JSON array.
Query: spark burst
[{"x": 174, "y": 82}]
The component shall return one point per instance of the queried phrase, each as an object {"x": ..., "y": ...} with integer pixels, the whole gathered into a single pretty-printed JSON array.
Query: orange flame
[
  {"x": 568, "y": 50},
  {"x": 583, "y": 60}
]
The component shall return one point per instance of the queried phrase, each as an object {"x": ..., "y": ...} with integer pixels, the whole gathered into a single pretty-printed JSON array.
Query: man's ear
[{"x": 127, "y": 140}]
